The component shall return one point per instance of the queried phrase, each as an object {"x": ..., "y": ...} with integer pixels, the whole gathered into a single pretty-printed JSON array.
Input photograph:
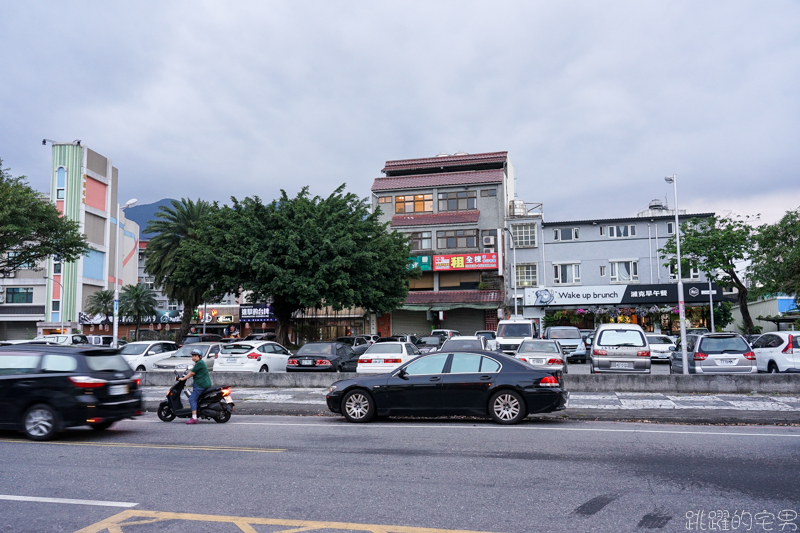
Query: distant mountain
[{"x": 142, "y": 214}]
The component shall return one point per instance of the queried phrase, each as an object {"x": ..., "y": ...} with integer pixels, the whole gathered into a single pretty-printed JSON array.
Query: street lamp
[
  {"x": 115, "y": 340},
  {"x": 60, "y": 310},
  {"x": 513, "y": 267},
  {"x": 681, "y": 304}
]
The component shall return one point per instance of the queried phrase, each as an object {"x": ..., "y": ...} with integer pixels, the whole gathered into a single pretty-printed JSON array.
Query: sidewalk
[{"x": 619, "y": 406}]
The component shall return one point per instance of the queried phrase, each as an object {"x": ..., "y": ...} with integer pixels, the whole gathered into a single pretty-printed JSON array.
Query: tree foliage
[
  {"x": 32, "y": 229},
  {"x": 101, "y": 303},
  {"x": 776, "y": 259},
  {"x": 300, "y": 252},
  {"x": 177, "y": 227},
  {"x": 718, "y": 246},
  {"x": 136, "y": 301}
]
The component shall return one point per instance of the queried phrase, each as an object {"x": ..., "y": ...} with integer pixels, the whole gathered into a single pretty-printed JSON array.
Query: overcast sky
[{"x": 595, "y": 101}]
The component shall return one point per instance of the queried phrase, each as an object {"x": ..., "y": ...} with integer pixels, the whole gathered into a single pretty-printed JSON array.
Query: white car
[
  {"x": 465, "y": 342},
  {"x": 660, "y": 347},
  {"x": 383, "y": 357},
  {"x": 143, "y": 355},
  {"x": 490, "y": 336},
  {"x": 182, "y": 359},
  {"x": 252, "y": 356},
  {"x": 778, "y": 351},
  {"x": 545, "y": 353}
]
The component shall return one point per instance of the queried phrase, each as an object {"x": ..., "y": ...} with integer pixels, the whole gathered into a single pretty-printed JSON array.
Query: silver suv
[
  {"x": 620, "y": 348},
  {"x": 715, "y": 353}
]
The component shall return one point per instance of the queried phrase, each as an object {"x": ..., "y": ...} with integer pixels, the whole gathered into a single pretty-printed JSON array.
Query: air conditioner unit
[
  {"x": 488, "y": 240},
  {"x": 488, "y": 250},
  {"x": 10, "y": 274}
]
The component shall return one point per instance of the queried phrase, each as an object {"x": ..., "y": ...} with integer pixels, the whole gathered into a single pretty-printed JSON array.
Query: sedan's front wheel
[
  {"x": 358, "y": 406},
  {"x": 40, "y": 422},
  {"x": 507, "y": 407}
]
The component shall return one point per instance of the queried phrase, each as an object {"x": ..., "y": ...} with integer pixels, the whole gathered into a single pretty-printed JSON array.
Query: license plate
[
  {"x": 231, "y": 359},
  {"x": 228, "y": 400},
  {"x": 726, "y": 361},
  {"x": 621, "y": 365},
  {"x": 537, "y": 361},
  {"x": 378, "y": 361},
  {"x": 306, "y": 362},
  {"x": 115, "y": 390}
]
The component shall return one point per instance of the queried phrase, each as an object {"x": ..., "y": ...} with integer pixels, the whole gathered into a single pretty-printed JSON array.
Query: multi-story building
[
  {"x": 84, "y": 188},
  {"x": 607, "y": 265},
  {"x": 452, "y": 208}
]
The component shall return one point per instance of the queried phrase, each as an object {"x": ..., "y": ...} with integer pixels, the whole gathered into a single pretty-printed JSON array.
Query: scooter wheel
[
  {"x": 165, "y": 413},
  {"x": 224, "y": 417}
]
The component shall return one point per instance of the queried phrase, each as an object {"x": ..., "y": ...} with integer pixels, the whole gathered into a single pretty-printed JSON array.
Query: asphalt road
[{"x": 278, "y": 473}]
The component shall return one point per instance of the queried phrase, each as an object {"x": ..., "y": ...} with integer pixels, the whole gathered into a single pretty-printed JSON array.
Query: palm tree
[
  {"x": 137, "y": 301},
  {"x": 100, "y": 303},
  {"x": 174, "y": 225}
]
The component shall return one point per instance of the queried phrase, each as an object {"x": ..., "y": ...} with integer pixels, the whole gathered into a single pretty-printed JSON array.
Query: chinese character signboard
[
  {"x": 619, "y": 294},
  {"x": 465, "y": 262},
  {"x": 256, "y": 313}
]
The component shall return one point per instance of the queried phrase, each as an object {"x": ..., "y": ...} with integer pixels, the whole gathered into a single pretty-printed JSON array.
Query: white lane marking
[
  {"x": 406, "y": 426},
  {"x": 99, "y": 503}
]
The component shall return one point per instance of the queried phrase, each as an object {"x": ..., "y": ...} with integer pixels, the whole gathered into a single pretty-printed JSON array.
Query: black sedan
[
  {"x": 475, "y": 383},
  {"x": 323, "y": 357}
]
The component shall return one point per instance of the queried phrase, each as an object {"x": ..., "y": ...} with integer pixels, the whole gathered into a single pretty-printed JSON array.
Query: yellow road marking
[
  {"x": 154, "y": 446},
  {"x": 116, "y": 523}
]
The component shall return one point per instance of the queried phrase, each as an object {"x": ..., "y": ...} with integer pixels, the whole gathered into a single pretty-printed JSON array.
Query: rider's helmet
[{"x": 197, "y": 352}]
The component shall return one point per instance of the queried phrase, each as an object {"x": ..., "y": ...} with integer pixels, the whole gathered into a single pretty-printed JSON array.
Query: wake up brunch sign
[{"x": 465, "y": 262}]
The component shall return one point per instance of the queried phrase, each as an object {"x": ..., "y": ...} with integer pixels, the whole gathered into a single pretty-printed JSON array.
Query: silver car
[
  {"x": 661, "y": 347},
  {"x": 181, "y": 360},
  {"x": 715, "y": 353},
  {"x": 542, "y": 353},
  {"x": 620, "y": 348}
]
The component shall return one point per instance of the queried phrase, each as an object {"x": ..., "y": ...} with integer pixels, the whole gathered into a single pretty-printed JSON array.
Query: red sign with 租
[{"x": 465, "y": 262}]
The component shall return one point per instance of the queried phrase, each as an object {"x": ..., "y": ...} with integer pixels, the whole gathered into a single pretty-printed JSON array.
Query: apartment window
[
  {"x": 56, "y": 306},
  {"x": 421, "y": 240},
  {"x": 623, "y": 271},
  {"x": 149, "y": 282},
  {"x": 22, "y": 266},
  {"x": 567, "y": 273},
  {"x": 172, "y": 305},
  {"x": 620, "y": 232},
  {"x": 566, "y": 234},
  {"x": 602, "y": 271},
  {"x": 56, "y": 268},
  {"x": 526, "y": 276},
  {"x": 524, "y": 235},
  {"x": 384, "y": 199},
  {"x": 686, "y": 271},
  {"x": 19, "y": 295},
  {"x": 463, "y": 238},
  {"x": 419, "y": 203},
  {"x": 61, "y": 181},
  {"x": 670, "y": 228},
  {"x": 602, "y": 230},
  {"x": 489, "y": 192},
  {"x": 458, "y": 201}
]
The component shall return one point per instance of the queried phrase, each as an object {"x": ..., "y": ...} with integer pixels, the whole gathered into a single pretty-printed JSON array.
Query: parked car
[
  {"x": 100, "y": 340},
  {"x": 778, "y": 351},
  {"x": 446, "y": 332},
  {"x": 697, "y": 331},
  {"x": 142, "y": 355},
  {"x": 200, "y": 337},
  {"x": 620, "y": 348},
  {"x": 398, "y": 338},
  {"x": 73, "y": 338},
  {"x": 751, "y": 339},
  {"x": 584, "y": 351},
  {"x": 661, "y": 347},
  {"x": 490, "y": 336},
  {"x": 372, "y": 338},
  {"x": 478, "y": 383},
  {"x": 462, "y": 343},
  {"x": 181, "y": 360},
  {"x": 568, "y": 337},
  {"x": 323, "y": 357},
  {"x": 384, "y": 357},
  {"x": 714, "y": 353},
  {"x": 252, "y": 356},
  {"x": 511, "y": 333},
  {"x": 47, "y": 391},
  {"x": 358, "y": 343},
  {"x": 430, "y": 343},
  {"x": 261, "y": 337},
  {"x": 542, "y": 353}
]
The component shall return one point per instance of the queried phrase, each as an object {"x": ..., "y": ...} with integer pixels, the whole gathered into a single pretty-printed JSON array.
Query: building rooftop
[
  {"x": 420, "y": 181},
  {"x": 445, "y": 160},
  {"x": 462, "y": 217},
  {"x": 628, "y": 219}
]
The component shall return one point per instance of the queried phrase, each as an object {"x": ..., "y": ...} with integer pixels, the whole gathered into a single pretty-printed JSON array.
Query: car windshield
[
  {"x": 133, "y": 349},
  {"x": 234, "y": 349},
  {"x": 488, "y": 335},
  {"x": 723, "y": 345},
  {"x": 186, "y": 351},
  {"x": 514, "y": 330},
  {"x": 538, "y": 346},
  {"x": 106, "y": 362},
  {"x": 655, "y": 339},
  {"x": 565, "y": 334},
  {"x": 429, "y": 341},
  {"x": 462, "y": 344},
  {"x": 346, "y": 340},
  {"x": 315, "y": 349},
  {"x": 384, "y": 348},
  {"x": 621, "y": 337}
]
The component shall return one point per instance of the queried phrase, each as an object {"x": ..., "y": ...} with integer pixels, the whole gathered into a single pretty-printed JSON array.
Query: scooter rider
[{"x": 202, "y": 382}]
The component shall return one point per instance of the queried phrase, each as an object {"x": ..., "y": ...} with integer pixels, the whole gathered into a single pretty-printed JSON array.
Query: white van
[{"x": 511, "y": 333}]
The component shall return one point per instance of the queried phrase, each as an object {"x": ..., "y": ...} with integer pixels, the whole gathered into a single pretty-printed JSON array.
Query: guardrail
[{"x": 705, "y": 384}]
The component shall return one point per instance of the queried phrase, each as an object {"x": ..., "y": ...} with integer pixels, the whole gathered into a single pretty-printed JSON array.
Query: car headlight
[{"x": 333, "y": 388}]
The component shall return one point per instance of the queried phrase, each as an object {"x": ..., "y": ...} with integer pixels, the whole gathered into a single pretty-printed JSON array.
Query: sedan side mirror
[
  {"x": 151, "y": 353},
  {"x": 402, "y": 374},
  {"x": 672, "y": 348}
]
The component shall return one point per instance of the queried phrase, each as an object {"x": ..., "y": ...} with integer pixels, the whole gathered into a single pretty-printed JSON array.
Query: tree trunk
[
  {"x": 283, "y": 313},
  {"x": 138, "y": 320},
  {"x": 748, "y": 321}
]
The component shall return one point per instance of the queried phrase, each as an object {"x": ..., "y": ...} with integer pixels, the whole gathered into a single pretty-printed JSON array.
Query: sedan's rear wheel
[
  {"x": 40, "y": 422},
  {"x": 773, "y": 368},
  {"x": 141, "y": 368},
  {"x": 358, "y": 406},
  {"x": 264, "y": 368},
  {"x": 507, "y": 407}
]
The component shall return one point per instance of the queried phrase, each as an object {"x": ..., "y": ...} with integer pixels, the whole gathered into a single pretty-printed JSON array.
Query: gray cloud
[{"x": 595, "y": 102}]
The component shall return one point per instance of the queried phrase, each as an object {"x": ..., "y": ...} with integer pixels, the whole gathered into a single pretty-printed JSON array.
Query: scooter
[{"x": 215, "y": 403}]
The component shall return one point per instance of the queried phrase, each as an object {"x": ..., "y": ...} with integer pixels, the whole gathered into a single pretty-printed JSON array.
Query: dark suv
[{"x": 44, "y": 389}]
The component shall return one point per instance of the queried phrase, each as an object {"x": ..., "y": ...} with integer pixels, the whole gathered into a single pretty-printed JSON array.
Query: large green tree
[
  {"x": 299, "y": 253},
  {"x": 776, "y": 258},
  {"x": 136, "y": 301},
  {"x": 32, "y": 229},
  {"x": 718, "y": 246},
  {"x": 100, "y": 303},
  {"x": 177, "y": 226}
]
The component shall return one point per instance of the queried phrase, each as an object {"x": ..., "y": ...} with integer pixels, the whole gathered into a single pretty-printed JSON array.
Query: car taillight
[
  {"x": 252, "y": 355},
  {"x": 216, "y": 355},
  {"x": 643, "y": 353},
  {"x": 789, "y": 350},
  {"x": 700, "y": 356},
  {"x": 323, "y": 362},
  {"x": 548, "y": 381},
  {"x": 136, "y": 381},
  {"x": 292, "y": 362},
  {"x": 749, "y": 355},
  {"x": 85, "y": 382},
  {"x": 392, "y": 360},
  {"x": 555, "y": 362},
  {"x": 226, "y": 392},
  {"x": 365, "y": 361},
  {"x": 599, "y": 352}
]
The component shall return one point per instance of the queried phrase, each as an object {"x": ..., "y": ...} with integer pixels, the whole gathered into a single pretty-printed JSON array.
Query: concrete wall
[{"x": 730, "y": 383}]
